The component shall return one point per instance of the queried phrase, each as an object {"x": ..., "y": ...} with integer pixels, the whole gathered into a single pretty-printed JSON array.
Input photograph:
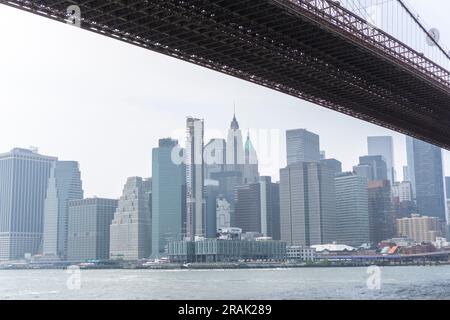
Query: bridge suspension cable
[{"x": 400, "y": 20}]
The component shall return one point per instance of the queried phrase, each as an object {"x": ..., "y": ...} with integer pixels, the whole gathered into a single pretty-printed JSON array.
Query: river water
[{"x": 427, "y": 282}]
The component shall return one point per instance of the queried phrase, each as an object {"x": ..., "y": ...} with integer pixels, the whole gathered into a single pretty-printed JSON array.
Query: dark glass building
[
  {"x": 381, "y": 215},
  {"x": 89, "y": 222},
  {"x": 427, "y": 177},
  {"x": 248, "y": 208}
]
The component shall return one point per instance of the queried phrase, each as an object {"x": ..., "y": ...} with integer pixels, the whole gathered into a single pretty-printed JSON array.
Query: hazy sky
[{"x": 81, "y": 96}]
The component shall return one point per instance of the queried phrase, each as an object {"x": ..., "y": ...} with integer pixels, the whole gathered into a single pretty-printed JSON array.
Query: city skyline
[
  {"x": 181, "y": 136},
  {"x": 146, "y": 113}
]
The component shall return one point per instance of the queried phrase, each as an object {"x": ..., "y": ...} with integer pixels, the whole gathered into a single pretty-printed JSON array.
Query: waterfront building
[
  {"x": 307, "y": 204},
  {"x": 421, "y": 228},
  {"x": 381, "y": 216},
  {"x": 89, "y": 223},
  {"x": 301, "y": 254},
  {"x": 302, "y": 146},
  {"x": 195, "y": 200},
  {"x": 427, "y": 177},
  {"x": 168, "y": 196},
  {"x": 63, "y": 186},
  {"x": 218, "y": 250},
  {"x": 24, "y": 176},
  {"x": 352, "y": 210},
  {"x": 131, "y": 227},
  {"x": 333, "y": 249},
  {"x": 383, "y": 146}
]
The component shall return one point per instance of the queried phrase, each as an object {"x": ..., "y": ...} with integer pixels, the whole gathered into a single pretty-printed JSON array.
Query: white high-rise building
[
  {"x": 131, "y": 227},
  {"x": 23, "y": 185},
  {"x": 195, "y": 199},
  {"x": 402, "y": 191},
  {"x": 352, "y": 209}
]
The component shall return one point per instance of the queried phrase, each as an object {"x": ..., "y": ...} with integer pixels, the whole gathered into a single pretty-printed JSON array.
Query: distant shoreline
[{"x": 223, "y": 266}]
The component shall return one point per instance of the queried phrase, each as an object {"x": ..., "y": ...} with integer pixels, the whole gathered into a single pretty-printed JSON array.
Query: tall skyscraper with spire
[{"x": 235, "y": 150}]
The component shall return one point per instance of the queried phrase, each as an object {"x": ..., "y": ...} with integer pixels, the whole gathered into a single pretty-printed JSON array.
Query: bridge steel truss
[{"x": 315, "y": 50}]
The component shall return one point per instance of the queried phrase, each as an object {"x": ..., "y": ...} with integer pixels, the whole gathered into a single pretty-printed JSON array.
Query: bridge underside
[{"x": 287, "y": 46}]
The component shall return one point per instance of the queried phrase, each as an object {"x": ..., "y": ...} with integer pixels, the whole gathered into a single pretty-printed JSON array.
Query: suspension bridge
[{"x": 374, "y": 60}]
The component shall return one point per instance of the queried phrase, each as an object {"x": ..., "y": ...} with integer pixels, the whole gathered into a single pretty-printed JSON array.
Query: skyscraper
[
  {"x": 383, "y": 146},
  {"x": 195, "y": 201},
  {"x": 402, "y": 200},
  {"x": 447, "y": 187},
  {"x": 402, "y": 191},
  {"x": 302, "y": 146},
  {"x": 406, "y": 174},
  {"x": 352, "y": 209},
  {"x": 250, "y": 169},
  {"x": 270, "y": 208},
  {"x": 364, "y": 170},
  {"x": 24, "y": 178},
  {"x": 248, "y": 208},
  {"x": 334, "y": 164},
  {"x": 131, "y": 227},
  {"x": 168, "y": 197},
  {"x": 211, "y": 194},
  {"x": 235, "y": 147},
  {"x": 307, "y": 204},
  {"x": 427, "y": 177},
  {"x": 64, "y": 185},
  {"x": 381, "y": 215},
  {"x": 378, "y": 165},
  {"x": 215, "y": 157},
  {"x": 223, "y": 213},
  {"x": 89, "y": 222}
]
